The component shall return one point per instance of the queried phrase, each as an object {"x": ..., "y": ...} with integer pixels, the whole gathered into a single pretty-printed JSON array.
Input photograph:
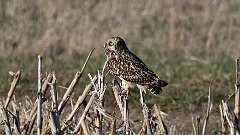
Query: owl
[{"x": 132, "y": 71}]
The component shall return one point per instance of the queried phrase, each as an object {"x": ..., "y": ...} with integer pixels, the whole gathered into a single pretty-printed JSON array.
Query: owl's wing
[{"x": 130, "y": 68}]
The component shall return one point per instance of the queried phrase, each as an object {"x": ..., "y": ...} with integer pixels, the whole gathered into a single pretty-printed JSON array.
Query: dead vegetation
[
  {"x": 45, "y": 116},
  {"x": 53, "y": 115}
]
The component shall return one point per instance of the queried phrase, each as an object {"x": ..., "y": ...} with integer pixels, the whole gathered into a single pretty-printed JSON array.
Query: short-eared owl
[{"x": 129, "y": 68}]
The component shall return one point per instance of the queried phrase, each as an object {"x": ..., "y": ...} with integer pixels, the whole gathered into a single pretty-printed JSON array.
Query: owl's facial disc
[
  {"x": 116, "y": 44},
  {"x": 110, "y": 45}
]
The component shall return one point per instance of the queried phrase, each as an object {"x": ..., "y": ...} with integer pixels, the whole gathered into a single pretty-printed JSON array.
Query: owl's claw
[{"x": 124, "y": 93}]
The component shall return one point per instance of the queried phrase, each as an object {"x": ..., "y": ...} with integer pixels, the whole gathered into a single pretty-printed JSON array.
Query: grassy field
[{"x": 192, "y": 44}]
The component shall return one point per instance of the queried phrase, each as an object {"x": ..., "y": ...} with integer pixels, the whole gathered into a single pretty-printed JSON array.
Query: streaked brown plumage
[{"x": 129, "y": 68}]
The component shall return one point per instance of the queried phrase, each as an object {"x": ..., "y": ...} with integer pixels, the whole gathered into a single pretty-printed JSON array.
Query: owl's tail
[{"x": 156, "y": 88}]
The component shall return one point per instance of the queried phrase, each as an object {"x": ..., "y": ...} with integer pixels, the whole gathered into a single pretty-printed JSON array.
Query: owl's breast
[{"x": 114, "y": 64}]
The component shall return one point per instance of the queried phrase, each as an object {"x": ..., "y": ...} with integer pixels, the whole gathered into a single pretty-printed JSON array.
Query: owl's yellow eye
[{"x": 110, "y": 43}]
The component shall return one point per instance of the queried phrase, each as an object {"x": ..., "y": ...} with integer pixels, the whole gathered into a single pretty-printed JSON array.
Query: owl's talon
[{"x": 124, "y": 93}]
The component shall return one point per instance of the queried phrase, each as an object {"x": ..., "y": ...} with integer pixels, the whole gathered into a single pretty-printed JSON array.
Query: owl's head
[{"x": 115, "y": 44}]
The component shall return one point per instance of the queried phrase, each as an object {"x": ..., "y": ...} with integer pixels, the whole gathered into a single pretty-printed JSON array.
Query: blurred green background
[{"x": 190, "y": 43}]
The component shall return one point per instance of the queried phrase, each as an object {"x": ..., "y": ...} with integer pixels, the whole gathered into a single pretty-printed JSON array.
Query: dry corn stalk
[
  {"x": 230, "y": 117},
  {"x": 237, "y": 86},
  {"x": 197, "y": 122},
  {"x": 116, "y": 92},
  {"x": 70, "y": 89},
  {"x": 237, "y": 93},
  {"x": 31, "y": 119},
  {"x": 143, "y": 130},
  {"x": 54, "y": 114},
  {"x": 145, "y": 111},
  {"x": 81, "y": 98},
  {"x": 209, "y": 108},
  {"x": 162, "y": 127},
  {"x": 77, "y": 128},
  {"x": 5, "y": 117},
  {"x": 16, "y": 119},
  {"x": 16, "y": 77},
  {"x": 39, "y": 97}
]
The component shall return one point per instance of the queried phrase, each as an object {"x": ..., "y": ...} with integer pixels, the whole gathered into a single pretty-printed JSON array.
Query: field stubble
[
  {"x": 190, "y": 43},
  {"x": 53, "y": 115}
]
